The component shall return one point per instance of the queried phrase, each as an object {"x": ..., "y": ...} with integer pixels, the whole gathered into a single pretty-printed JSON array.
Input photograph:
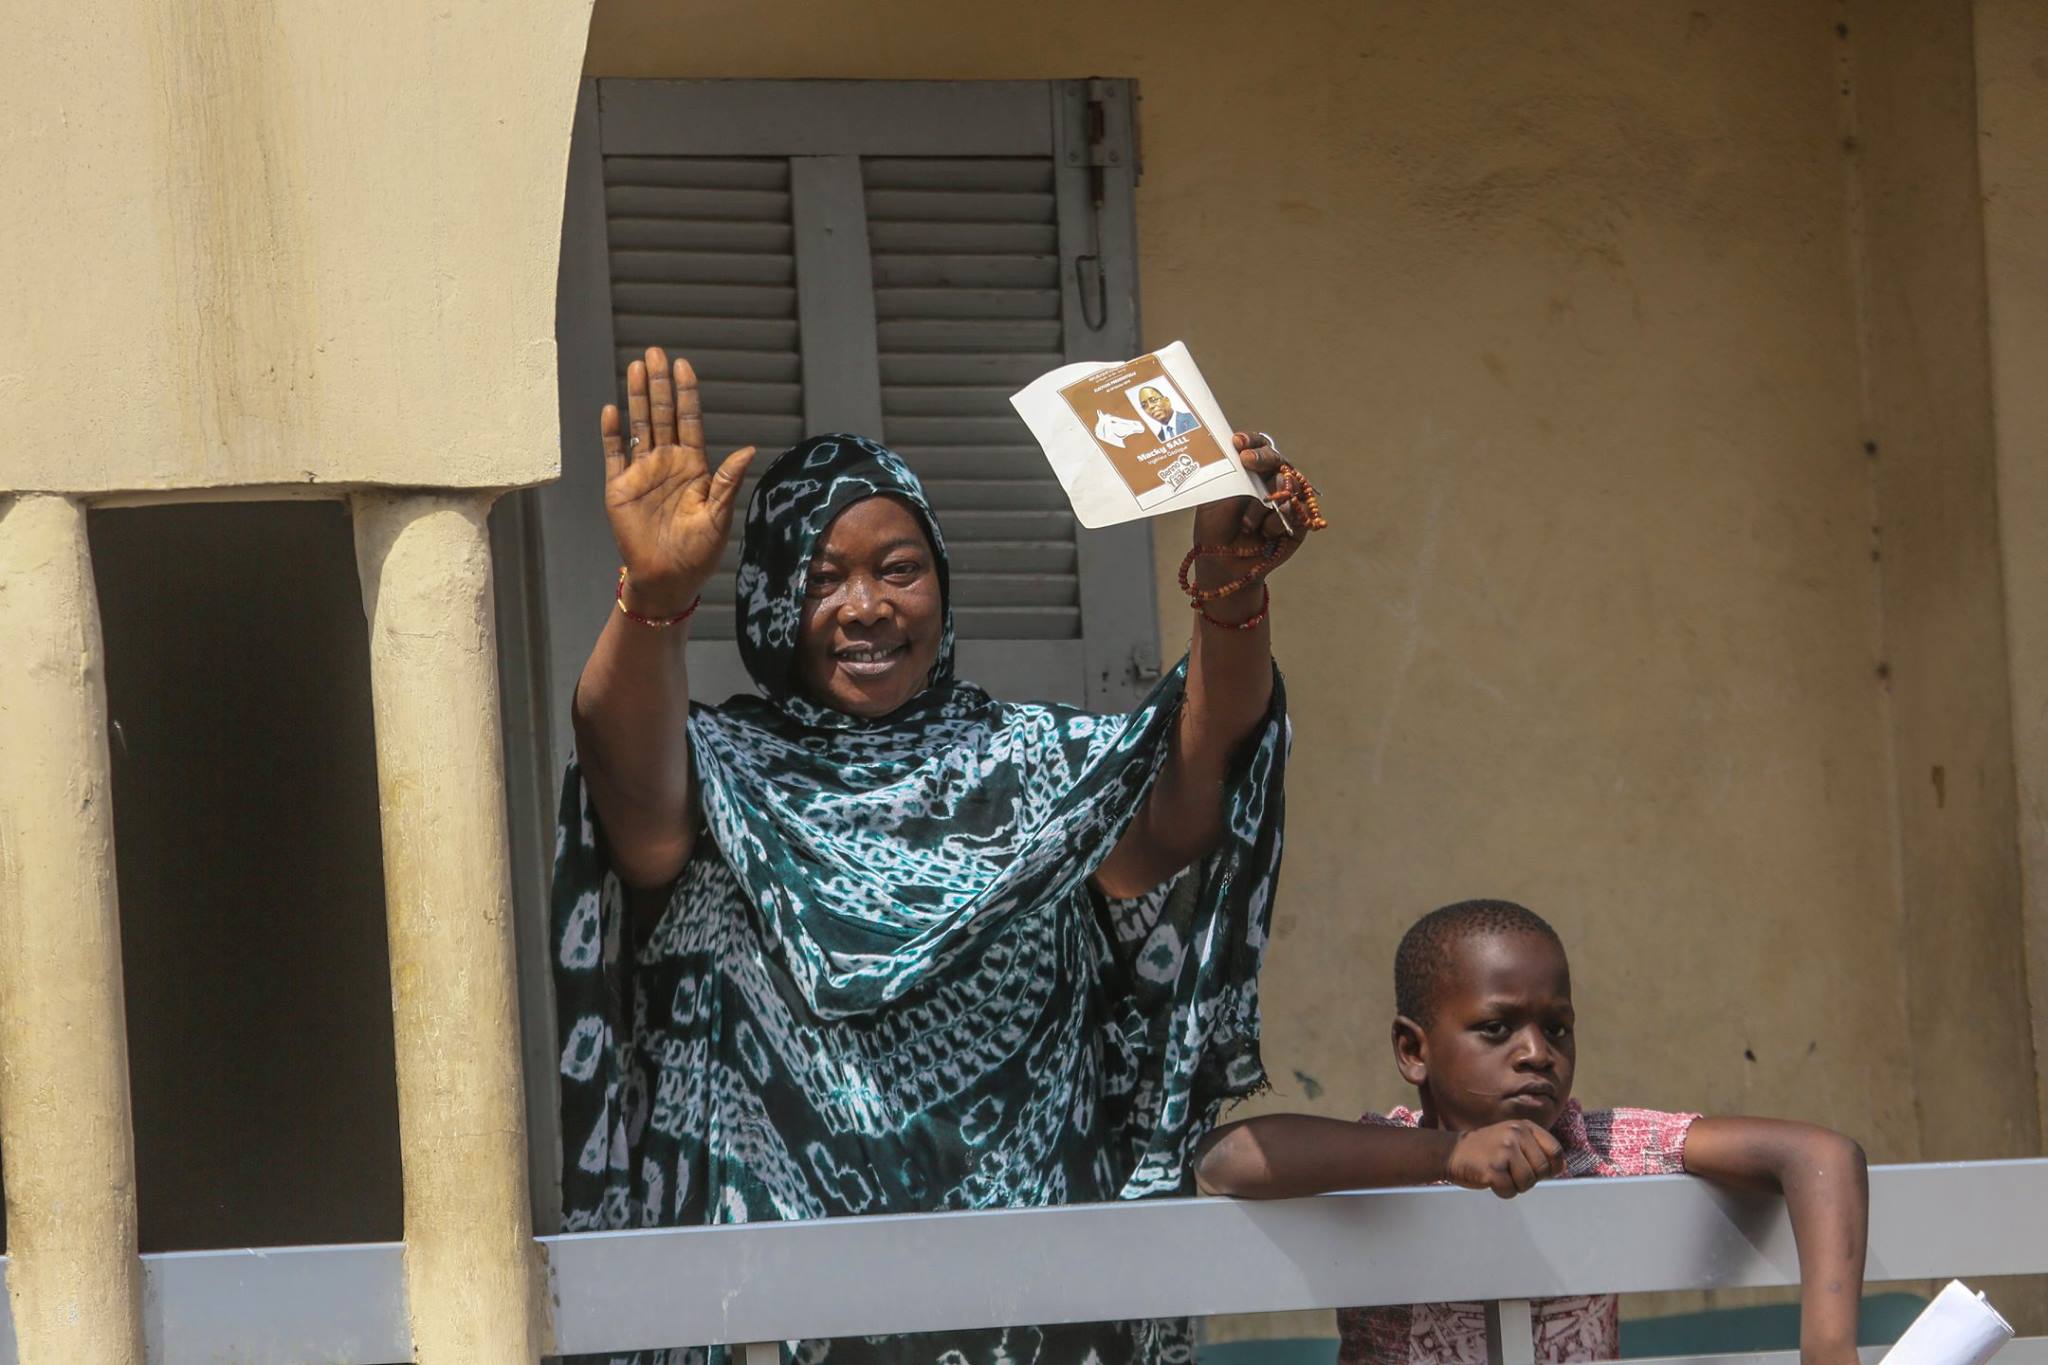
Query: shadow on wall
[{"x": 251, "y": 875}]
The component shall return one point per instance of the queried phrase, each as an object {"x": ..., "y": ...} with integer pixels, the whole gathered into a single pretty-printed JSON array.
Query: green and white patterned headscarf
[
  {"x": 802, "y": 493},
  {"x": 884, "y": 983}
]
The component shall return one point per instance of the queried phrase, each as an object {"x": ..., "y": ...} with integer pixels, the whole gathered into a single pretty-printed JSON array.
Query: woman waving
[{"x": 872, "y": 941}]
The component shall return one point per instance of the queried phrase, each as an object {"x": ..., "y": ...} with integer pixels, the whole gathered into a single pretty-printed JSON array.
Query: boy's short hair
[{"x": 1425, "y": 949}]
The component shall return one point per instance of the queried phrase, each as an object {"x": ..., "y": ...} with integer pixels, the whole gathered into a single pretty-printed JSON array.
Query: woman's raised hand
[
  {"x": 1240, "y": 541},
  {"x": 669, "y": 512},
  {"x": 1248, "y": 522}
]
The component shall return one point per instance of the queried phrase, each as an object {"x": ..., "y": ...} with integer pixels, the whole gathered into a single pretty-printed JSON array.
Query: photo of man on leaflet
[{"x": 1163, "y": 415}]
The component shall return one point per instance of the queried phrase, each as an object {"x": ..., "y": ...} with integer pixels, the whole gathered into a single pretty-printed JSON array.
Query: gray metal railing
[{"x": 768, "y": 1282}]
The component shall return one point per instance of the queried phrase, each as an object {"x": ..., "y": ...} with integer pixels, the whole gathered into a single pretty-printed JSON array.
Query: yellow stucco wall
[
  {"x": 1554, "y": 305},
  {"x": 1568, "y": 310},
  {"x": 2012, "y": 75},
  {"x": 270, "y": 243},
  {"x": 1918, "y": 246}
]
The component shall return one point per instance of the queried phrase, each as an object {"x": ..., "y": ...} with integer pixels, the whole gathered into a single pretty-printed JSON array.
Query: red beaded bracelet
[
  {"x": 1264, "y": 553},
  {"x": 656, "y": 622},
  {"x": 1265, "y": 604}
]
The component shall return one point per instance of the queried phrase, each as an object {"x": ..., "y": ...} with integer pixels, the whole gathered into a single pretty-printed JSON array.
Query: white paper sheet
[
  {"x": 1959, "y": 1328},
  {"x": 1137, "y": 438}
]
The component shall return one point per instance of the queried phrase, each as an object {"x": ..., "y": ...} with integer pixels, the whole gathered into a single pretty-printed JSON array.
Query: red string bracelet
[
  {"x": 1265, "y": 604},
  {"x": 655, "y": 622}
]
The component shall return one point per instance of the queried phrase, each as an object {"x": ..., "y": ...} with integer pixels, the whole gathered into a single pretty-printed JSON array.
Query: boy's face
[{"x": 1499, "y": 1044}]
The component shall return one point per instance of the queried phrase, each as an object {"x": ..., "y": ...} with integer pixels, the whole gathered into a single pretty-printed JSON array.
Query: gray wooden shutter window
[
  {"x": 887, "y": 257},
  {"x": 892, "y": 258}
]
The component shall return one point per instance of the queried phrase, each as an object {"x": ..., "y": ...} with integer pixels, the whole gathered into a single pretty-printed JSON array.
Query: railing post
[
  {"x": 1510, "y": 1332},
  {"x": 65, "y": 1120},
  {"x": 473, "y": 1272}
]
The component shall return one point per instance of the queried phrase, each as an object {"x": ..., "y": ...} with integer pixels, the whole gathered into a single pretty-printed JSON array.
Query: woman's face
[{"x": 872, "y": 611}]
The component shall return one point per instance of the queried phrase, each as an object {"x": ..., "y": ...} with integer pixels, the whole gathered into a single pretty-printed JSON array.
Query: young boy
[{"x": 1484, "y": 1034}]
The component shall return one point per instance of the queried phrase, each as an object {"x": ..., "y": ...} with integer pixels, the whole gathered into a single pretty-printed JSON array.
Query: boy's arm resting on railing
[
  {"x": 1282, "y": 1156},
  {"x": 1821, "y": 1174},
  {"x": 1826, "y": 1185}
]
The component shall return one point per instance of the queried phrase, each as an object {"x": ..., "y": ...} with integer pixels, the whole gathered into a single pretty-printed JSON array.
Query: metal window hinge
[{"x": 1110, "y": 135}]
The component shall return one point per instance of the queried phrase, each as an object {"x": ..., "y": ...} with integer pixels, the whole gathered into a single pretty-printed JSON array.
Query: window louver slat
[
  {"x": 703, "y": 264},
  {"x": 967, "y": 309}
]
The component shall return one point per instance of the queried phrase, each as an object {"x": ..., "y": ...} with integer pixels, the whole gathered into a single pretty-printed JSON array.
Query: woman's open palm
[{"x": 669, "y": 512}]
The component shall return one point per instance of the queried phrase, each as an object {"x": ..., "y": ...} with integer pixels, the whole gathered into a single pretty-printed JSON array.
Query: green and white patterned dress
[{"x": 884, "y": 983}]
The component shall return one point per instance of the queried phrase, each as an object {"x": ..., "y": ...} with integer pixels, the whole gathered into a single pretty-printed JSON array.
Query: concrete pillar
[
  {"x": 64, "y": 1115},
  {"x": 472, "y": 1269}
]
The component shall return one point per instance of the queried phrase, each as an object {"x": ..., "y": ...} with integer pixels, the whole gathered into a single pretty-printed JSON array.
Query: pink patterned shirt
[{"x": 1600, "y": 1142}]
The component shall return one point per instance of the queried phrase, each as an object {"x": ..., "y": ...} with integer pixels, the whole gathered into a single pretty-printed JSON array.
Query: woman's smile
[{"x": 870, "y": 660}]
